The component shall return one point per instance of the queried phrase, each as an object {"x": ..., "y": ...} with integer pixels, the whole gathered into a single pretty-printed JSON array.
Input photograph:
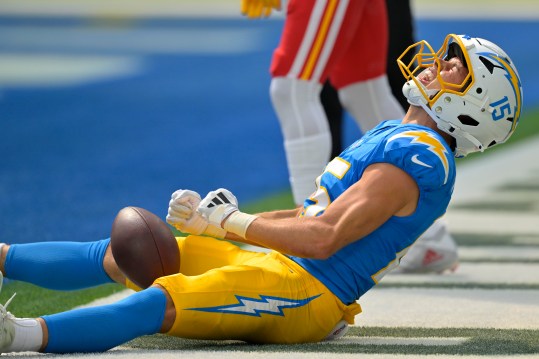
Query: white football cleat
[
  {"x": 338, "y": 331},
  {"x": 434, "y": 252},
  {"x": 7, "y": 326},
  {"x": 18, "y": 334}
]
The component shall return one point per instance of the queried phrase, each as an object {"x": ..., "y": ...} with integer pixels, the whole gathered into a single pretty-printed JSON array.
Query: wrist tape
[{"x": 238, "y": 222}]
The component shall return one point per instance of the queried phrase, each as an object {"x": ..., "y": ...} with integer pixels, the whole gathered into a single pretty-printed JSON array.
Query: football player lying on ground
[{"x": 372, "y": 203}]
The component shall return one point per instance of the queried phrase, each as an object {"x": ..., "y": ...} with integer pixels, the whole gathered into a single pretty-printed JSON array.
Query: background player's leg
[
  {"x": 360, "y": 76},
  {"x": 435, "y": 251},
  {"x": 315, "y": 36},
  {"x": 334, "y": 112},
  {"x": 401, "y": 35},
  {"x": 370, "y": 102},
  {"x": 307, "y": 139}
]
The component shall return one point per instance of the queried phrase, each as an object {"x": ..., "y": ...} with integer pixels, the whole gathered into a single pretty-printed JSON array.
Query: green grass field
[
  {"x": 473, "y": 342},
  {"x": 33, "y": 301}
]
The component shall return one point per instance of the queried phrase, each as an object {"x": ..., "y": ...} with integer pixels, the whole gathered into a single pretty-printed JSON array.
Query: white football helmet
[{"x": 486, "y": 109}]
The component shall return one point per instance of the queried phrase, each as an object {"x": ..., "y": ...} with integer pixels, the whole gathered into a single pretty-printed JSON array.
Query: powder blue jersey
[{"x": 420, "y": 152}]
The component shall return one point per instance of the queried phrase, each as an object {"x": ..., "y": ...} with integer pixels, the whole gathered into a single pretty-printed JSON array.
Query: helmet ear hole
[
  {"x": 467, "y": 120},
  {"x": 488, "y": 64}
]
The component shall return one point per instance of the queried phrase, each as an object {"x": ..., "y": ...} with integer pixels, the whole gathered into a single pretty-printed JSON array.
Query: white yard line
[
  {"x": 493, "y": 222},
  {"x": 483, "y": 173},
  {"x": 159, "y": 354},
  {"x": 428, "y": 341},
  {"x": 453, "y": 308},
  {"x": 494, "y": 253},
  {"x": 475, "y": 273}
]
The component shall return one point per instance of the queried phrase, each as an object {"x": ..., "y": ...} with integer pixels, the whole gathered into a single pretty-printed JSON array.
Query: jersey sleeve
[{"x": 422, "y": 155}]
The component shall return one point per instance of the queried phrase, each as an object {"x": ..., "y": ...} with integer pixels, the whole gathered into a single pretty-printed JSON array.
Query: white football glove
[
  {"x": 218, "y": 205},
  {"x": 182, "y": 215},
  {"x": 221, "y": 204}
]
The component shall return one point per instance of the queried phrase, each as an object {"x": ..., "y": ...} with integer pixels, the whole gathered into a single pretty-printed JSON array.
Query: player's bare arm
[
  {"x": 383, "y": 191},
  {"x": 273, "y": 215},
  {"x": 280, "y": 214}
]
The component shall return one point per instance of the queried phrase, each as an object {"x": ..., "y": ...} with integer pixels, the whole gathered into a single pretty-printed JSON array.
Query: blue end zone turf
[{"x": 188, "y": 108}]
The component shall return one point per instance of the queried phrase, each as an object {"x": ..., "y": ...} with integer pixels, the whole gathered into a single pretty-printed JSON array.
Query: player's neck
[{"x": 416, "y": 115}]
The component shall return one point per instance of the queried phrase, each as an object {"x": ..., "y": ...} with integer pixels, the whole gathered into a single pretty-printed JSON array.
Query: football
[{"x": 143, "y": 246}]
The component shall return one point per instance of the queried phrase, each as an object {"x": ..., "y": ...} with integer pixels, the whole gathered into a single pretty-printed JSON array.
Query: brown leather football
[{"x": 143, "y": 246}]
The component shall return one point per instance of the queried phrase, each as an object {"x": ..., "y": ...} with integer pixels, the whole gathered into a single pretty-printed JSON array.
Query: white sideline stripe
[
  {"x": 124, "y": 9},
  {"x": 58, "y": 70},
  {"x": 449, "y": 308},
  {"x": 474, "y": 273},
  {"x": 477, "y": 9},
  {"x": 499, "y": 252},
  {"x": 428, "y": 9},
  {"x": 120, "y": 40},
  {"x": 428, "y": 341}
]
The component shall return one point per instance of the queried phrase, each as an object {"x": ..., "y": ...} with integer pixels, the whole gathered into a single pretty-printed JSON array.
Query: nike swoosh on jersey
[
  {"x": 416, "y": 160},
  {"x": 433, "y": 145}
]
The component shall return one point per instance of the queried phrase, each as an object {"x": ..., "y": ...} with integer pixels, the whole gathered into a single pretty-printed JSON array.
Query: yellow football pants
[{"x": 225, "y": 292}]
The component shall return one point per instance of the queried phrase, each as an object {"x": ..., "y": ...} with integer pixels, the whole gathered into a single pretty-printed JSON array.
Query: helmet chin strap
[
  {"x": 415, "y": 98},
  {"x": 414, "y": 95}
]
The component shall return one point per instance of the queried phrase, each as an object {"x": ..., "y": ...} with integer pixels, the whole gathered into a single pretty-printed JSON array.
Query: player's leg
[
  {"x": 56, "y": 265},
  {"x": 360, "y": 76},
  {"x": 371, "y": 102},
  {"x": 307, "y": 140},
  {"x": 89, "y": 329},
  {"x": 401, "y": 35},
  {"x": 266, "y": 299},
  {"x": 199, "y": 254},
  {"x": 334, "y": 113},
  {"x": 101, "y": 328},
  {"x": 434, "y": 252},
  {"x": 315, "y": 35}
]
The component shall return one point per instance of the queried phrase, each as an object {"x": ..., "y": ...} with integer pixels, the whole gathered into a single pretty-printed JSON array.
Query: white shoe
[
  {"x": 7, "y": 326},
  {"x": 338, "y": 332},
  {"x": 434, "y": 252},
  {"x": 18, "y": 334}
]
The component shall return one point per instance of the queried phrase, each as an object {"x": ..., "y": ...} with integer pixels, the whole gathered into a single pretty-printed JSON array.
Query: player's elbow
[
  {"x": 324, "y": 247},
  {"x": 323, "y": 251}
]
